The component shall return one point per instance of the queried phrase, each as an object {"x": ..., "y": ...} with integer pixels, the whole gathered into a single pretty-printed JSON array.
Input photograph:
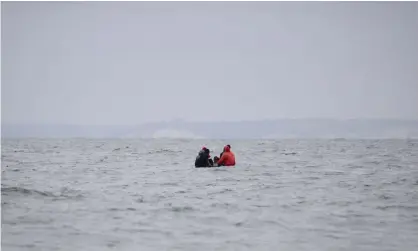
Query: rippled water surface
[{"x": 81, "y": 194}]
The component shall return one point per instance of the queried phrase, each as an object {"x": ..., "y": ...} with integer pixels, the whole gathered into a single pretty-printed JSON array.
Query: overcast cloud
[{"x": 133, "y": 62}]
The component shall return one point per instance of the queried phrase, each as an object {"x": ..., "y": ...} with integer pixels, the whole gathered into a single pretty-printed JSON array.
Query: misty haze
[
  {"x": 126, "y": 64},
  {"x": 311, "y": 107}
]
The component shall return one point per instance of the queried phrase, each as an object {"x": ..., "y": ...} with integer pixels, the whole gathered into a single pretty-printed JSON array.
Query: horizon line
[
  {"x": 230, "y": 139},
  {"x": 214, "y": 121}
]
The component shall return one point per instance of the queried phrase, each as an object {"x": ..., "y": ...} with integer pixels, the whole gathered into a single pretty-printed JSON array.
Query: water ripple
[{"x": 84, "y": 194}]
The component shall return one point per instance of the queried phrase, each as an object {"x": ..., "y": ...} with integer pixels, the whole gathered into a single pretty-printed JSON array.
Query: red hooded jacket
[{"x": 228, "y": 157}]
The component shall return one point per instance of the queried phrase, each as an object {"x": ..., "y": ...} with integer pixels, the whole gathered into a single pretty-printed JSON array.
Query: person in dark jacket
[{"x": 203, "y": 158}]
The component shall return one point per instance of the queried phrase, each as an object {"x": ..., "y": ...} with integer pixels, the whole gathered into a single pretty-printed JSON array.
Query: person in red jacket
[
  {"x": 227, "y": 158},
  {"x": 220, "y": 155}
]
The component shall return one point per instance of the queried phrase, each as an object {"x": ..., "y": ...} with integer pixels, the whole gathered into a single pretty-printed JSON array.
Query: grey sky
[{"x": 132, "y": 62}]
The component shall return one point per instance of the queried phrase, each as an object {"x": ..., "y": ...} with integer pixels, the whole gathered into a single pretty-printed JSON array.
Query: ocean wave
[
  {"x": 164, "y": 151},
  {"x": 65, "y": 193},
  {"x": 137, "y": 195}
]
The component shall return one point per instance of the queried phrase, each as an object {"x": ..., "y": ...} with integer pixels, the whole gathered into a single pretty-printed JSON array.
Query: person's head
[
  {"x": 227, "y": 148},
  {"x": 203, "y": 150},
  {"x": 207, "y": 151},
  {"x": 216, "y": 158}
]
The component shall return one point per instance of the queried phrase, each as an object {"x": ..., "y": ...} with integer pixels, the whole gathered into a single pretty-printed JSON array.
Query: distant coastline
[{"x": 261, "y": 129}]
